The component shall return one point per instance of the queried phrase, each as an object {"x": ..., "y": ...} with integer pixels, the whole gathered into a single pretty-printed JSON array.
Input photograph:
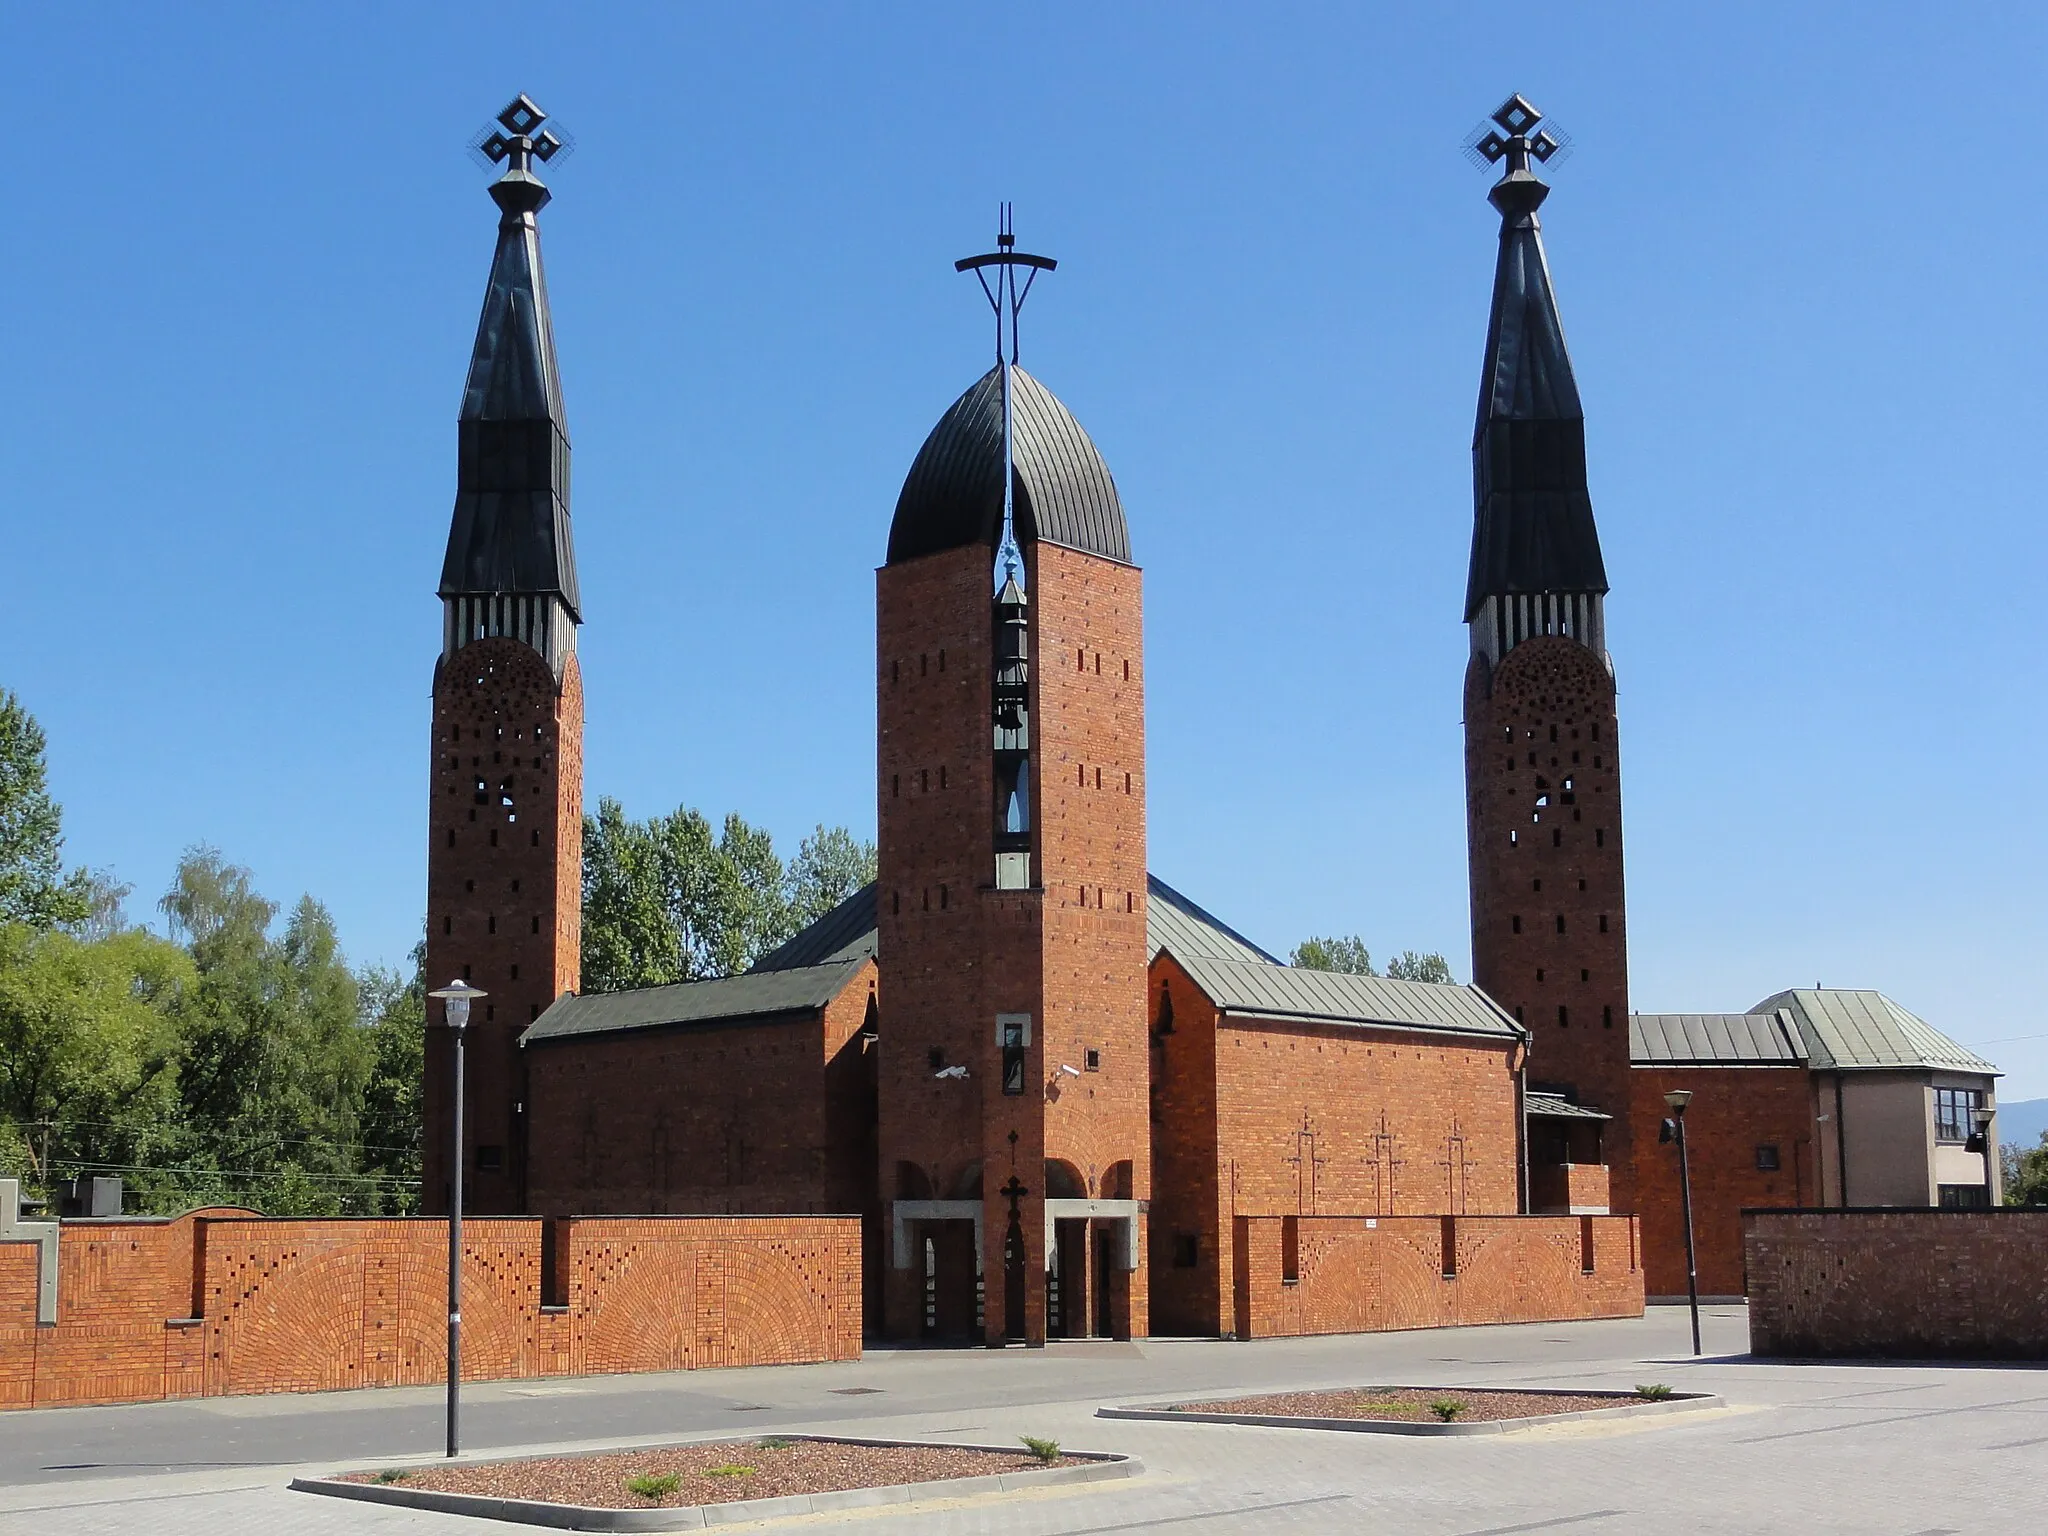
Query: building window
[
  {"x": 1964, "y": 1197},
  {"x": 1767, "y": 1158},
  {"x": 1186, "y": 1250},
  {"x": 1093, "y": 1060},
  {"x": 1013, "y": 1033},
  {"x": 1955, "y": 1113},
  {"x": 489, "y": 1159},
  {"x": 1290, "y": 1250}
]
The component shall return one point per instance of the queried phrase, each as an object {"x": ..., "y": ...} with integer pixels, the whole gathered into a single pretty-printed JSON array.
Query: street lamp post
[
  {"x": 456, "y": 998},
  {"x": 1984, "y": 1117},
  {"x": 1674, "y": 1129}
]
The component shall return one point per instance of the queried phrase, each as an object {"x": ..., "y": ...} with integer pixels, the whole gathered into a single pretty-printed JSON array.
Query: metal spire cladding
[
  {"x": 1533, "y": 530},
  {"x": 510, "y": 537}
]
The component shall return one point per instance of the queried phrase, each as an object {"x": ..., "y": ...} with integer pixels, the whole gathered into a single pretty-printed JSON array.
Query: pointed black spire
[
  {"x": 1533, "y": 532},
  {"x": 510, "y": 538}
]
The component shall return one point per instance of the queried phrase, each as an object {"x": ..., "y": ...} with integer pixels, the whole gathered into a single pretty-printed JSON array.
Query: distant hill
[{"x": 2021, "y": 1123}]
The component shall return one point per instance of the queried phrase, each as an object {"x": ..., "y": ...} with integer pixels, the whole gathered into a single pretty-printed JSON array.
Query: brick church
[{"x": 1064, "y": 1098}]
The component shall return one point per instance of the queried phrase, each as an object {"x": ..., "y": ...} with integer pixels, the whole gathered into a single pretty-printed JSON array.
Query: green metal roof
[
  {"x": 727, "y": 999},
  {"x": 1553, "y": 1106},
  {"x": 1172, "y": 922},
  {"x": 1757, "y": 1039},
  {"x": 1266, "y": 990},
  {"x": 1853, "y": 1030}
]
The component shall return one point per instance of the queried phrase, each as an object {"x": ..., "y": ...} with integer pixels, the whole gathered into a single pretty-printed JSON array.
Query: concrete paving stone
[{"x": 1860, "y": 1450}]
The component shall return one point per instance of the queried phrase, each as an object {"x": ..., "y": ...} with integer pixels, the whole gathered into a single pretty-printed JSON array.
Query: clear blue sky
[{"x": 1797, "y": 249}]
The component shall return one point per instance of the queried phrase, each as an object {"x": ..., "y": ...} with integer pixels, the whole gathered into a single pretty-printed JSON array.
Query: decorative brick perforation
[{"x": 1543, "y": 805}]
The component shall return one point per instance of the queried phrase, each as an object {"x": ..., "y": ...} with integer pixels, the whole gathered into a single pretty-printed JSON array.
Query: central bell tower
[
  {"x": 1013, "y": 1094},
  {"x": 1542, "y": 754}
]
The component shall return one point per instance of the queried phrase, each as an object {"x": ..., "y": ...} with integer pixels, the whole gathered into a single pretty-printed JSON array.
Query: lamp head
[
  {"x": 455, "y": 999},
  {"x": 1678, "y": 1098}
]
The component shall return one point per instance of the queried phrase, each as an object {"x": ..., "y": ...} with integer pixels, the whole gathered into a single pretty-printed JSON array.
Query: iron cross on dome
[
  {"x": 1516, "y": 138},
  {"x": 519, "y": 137}
]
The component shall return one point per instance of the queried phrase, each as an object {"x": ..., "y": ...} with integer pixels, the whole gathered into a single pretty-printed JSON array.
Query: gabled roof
[
  {"x": 510, "y": 533},
  {"x": 1532, "y": 528},
  {"x": 724, "y": 1000},
  {"x": 1859, "y": 1030},
  {"x": 1333, "y": 997},
  {"x": 1757, "y": 1039},
  {"x": 1176, "y": 924},
  {"x": 1171, "y": 921},
  {"x": 844, "y": 933},
  {"x": 953, "y": 495}
]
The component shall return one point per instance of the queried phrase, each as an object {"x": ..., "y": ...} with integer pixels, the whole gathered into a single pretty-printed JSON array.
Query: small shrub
[
  {"x": 730, "y": 1469},
  {"x": 654, "y": 1488},
  {"x": 1047, "y": 1451},
  {"x": 1655, "y": 1392},
  {"x": 393, "y": 1475},
  {"x": 1447, "y": 1408},
  {"x": 774, "y": 1443}
]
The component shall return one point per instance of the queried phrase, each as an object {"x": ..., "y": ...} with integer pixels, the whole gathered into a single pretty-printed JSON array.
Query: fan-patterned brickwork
[
  {"x": 1356, "y": 1274},
  {"x": 308, "y": 1306},
  {"x": 1549, "y": 926}
]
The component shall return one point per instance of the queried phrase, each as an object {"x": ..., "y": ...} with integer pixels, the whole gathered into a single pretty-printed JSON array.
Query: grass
[
  {"x": 653, "y": 1488},
  {"x": 730, "y": 1469},
  {"x": 1047, "y": 1451},
  {"x": 1447, "y": 1408},
  {"x": 1656, "y": 1392},
  {"x": 393, "y": 1475},
  {"x": 774, "y": 1443}
]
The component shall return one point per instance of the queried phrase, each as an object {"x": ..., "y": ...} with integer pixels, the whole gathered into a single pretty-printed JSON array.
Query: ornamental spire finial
[
  {"x": 515, "y": 139},
  {"x": 1517, "y": 137}
]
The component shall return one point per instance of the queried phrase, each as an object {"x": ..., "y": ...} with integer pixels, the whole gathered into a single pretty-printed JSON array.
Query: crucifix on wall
[{"x": 1306, "y": 1163}]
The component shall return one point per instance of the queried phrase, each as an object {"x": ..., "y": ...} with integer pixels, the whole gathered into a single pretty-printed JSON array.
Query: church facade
[{"x": 1064, "y": 1098}]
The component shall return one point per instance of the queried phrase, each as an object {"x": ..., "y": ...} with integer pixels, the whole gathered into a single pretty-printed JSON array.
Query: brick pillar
[
  {"x": 1549, "y": 925},
  {"x": 504, "y": 895}
]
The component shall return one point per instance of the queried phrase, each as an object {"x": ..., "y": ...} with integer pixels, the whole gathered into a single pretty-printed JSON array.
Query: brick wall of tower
[
  {"x": 1088, "y": 712},
  {"x": 1549, "y": 930},
  {"x": 504, "y": 894},
  {"x": 957, "y": 952}
]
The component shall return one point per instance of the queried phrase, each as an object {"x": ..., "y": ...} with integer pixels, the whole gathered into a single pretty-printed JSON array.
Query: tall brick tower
[
  {"x": 1542, "y": 758},
  {"x": 504, "y": 862},
  {"x": 1013, "y": 1114}
]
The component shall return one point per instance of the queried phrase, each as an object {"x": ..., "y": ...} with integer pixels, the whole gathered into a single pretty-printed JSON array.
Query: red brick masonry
[
  {"x": 1357, "y": 1274},
  {"x": 207, "y": 1305},
  {"x": 1925, "y": 1284}
]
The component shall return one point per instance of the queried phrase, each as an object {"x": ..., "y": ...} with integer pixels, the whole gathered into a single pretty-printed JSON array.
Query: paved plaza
[{"x": 1908, "y": 1449}]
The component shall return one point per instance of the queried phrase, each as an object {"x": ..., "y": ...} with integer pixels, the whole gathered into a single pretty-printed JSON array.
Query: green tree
[
  {"x": 668, "y": 900},
  {"x": 1347, "y": 955},
  {"x": 2026, "y": 1173},
  {"x": 1411, "y": 966},
  {"x": 394, "y": 1010},
  {"x": 272, "y": 1065},
  {"x": 87, "y": 1048},
  {"x": 830, "y": 865},
  {"x": 33, "y": 886}
]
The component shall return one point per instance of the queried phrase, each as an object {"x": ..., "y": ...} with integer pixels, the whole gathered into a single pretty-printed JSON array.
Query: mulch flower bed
[
  {"x": 1414, "y": 1403},
  {"x": 719, "y": 1473}
]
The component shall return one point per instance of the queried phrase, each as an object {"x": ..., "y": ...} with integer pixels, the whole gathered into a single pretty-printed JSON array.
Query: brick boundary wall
[
  {"x": 210, "y": 1304},
  {"x": 1922, "y": 1284},
  {"x": 1360, "y": 1274}
]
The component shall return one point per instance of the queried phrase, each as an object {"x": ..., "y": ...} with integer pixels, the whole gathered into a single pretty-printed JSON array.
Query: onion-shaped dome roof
[{"x": 953, "y": 495}]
